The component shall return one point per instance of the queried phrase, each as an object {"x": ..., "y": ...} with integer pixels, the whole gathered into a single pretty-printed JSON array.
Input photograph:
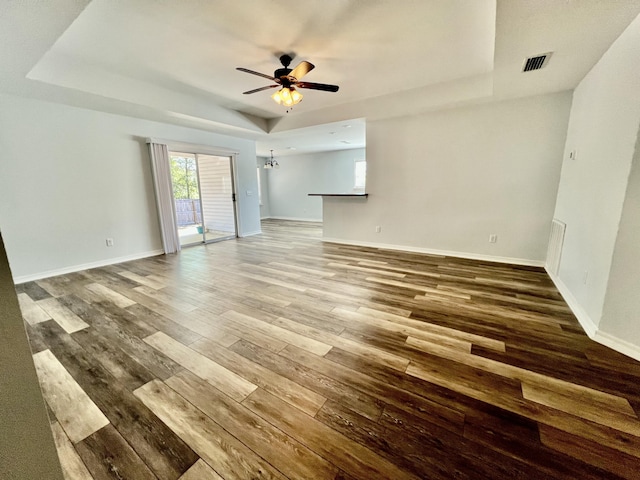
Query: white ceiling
[{"x": 175, "y": 61}]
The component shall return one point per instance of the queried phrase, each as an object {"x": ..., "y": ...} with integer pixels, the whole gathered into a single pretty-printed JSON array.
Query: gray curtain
[{"x": 164, "y": 197}]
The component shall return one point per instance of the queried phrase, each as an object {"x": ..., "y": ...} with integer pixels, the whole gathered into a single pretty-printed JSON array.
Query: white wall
[
  {"x": 447, "y": 180},
  {"x": 299, "y": 175},
  {"x": 265, "y": 208},
  {"x": 621, "y": 313},
  {"x": 71, "y": 177},
  {"x": 603, "y": 129}
]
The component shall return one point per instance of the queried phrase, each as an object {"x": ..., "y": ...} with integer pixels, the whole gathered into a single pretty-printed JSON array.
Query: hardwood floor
[{"x": 279, "y": 356}]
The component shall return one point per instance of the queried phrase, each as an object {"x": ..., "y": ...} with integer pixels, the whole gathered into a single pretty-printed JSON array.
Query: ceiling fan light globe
[
  {"x": 277, "y": 97},
  {"x": 296, "y": 96}
]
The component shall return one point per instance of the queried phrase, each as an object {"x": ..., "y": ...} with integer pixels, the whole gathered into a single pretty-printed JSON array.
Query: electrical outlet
[
  {"x": 573, "y": 154},
  {"x": 378, "y": 228},
  {"x": 249, "y": 193},
  {"x": 493, "y": 238},
  {"x": 109, "y": 242}
]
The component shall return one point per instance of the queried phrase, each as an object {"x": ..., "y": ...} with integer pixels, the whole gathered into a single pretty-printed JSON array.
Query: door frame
[{"x": 198, "y": 149}]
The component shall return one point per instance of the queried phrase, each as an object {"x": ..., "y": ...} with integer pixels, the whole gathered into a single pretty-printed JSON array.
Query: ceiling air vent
[{"x": 536, "y": 63}]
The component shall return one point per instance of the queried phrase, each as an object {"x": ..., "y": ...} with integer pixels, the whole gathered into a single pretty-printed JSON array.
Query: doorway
[{"x": 204, "y": 197}]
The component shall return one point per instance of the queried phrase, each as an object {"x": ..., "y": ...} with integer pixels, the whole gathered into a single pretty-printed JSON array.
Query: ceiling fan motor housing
[
  {"x": 285, "y": 60},
  {"x": 281, "y": 72}
]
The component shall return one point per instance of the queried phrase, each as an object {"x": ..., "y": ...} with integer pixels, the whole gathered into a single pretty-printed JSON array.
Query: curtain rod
[{"x": 187, "y": 147}]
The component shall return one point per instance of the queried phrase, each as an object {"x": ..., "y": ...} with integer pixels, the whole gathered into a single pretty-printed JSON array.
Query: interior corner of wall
[{"x": 586, "y": 322}]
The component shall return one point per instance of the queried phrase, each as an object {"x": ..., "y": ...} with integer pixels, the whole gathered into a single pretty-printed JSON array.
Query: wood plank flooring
[{"x": 279, "y": 356}]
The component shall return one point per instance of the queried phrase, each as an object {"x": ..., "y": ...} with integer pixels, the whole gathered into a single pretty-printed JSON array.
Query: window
[
  {"x": 259, "y": 188},
  {"x": 360, "y": 174}
]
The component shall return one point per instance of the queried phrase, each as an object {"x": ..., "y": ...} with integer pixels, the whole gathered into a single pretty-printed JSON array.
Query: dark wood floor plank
[
  {"x": 162, "y": 323},
  {"x": 471, "y": 460},
  {"x": 357, "y": 363},
  {"x": 352, "y": 457},
  {"x": 229, "y": 457},
  {"x": 108, "y": 456},
  {"x": 598, "y": 455},
  {"x": 166, "y": 454},
  {"x": 376, "y": 437},
  {"x": 283, "y": 452},
  {"x": 35, "y": 291},
  {"x": 116, "y": 361},
  {"x": 129, "y": 341},
  {"x": 283, "y": 388},
  {"x": 385, "y": 392},
  {"x": 309, "y": 378},
  {"x": 519, "y": 438}
]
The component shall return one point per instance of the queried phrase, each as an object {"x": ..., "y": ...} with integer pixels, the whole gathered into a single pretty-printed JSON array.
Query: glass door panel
[
  {"x": 186, "y": 194},
  {"x": 217, "y": 197}
]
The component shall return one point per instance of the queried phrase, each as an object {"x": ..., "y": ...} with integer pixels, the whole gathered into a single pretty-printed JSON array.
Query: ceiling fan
[{"x": 289, "y": 80}]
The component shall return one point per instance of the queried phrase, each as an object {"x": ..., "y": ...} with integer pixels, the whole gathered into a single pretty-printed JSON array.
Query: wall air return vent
[
  {"x": 554, "y": 249},
  {"x": 537, "y": 62}
]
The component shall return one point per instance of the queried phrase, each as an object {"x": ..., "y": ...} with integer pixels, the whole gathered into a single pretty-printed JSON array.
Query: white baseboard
[
  {"x": 296, "y": 219},
  {"x": 586, "y": 322},
  {"x": 442, "y": 253},
  {"x": 617, "y": 344},
  {"x": 85, "y": 266},
  {"x": 589, "y": 326}
]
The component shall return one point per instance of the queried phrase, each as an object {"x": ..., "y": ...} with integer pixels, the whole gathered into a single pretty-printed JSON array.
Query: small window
[
  {"x": 259, "y": 187},
  {"x": 360, "y": 174}
]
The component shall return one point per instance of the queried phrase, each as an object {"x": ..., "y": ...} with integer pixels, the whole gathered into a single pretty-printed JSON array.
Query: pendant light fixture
[{"x": 271, "y": 163}]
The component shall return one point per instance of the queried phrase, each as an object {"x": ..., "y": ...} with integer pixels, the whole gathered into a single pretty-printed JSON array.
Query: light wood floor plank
[
  {"x": 372, "y": 353},
  {"x": 73, "y": 408},
  {"x": 108, "y": 294},
  {"x": 562, "y": 388},
  {"x": 72, "y": 466},
  {"x": 64, "y": 317},
  {"x": 31, "y": 311},
  {"x": 586, "y": 409},
  {"x": 364, "y": 319},
  {"x": 429, "y": 328},
  {"x": 200, "y": 471},
  {"x": 274, "y": 331},
  {"x": 232, "y": 384},
  {"x": 298, "y": 268},
  {"x": 223, "y": 452},
  {"x": 164, "y": 297},
  {"x": 346, "y": 266},
  {"x": 143, "y": 280}
]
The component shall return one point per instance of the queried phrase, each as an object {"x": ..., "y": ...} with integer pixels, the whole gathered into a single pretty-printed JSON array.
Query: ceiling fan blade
[
  {"x": 318, "y": 86},
  {"x": 260, "y": 89},
  {"x": 246, "y": 70},
  {"x": 302, "y": 69}
]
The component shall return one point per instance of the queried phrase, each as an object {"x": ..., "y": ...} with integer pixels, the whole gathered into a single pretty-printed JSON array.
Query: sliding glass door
[{"x": 204, "y": 196}]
